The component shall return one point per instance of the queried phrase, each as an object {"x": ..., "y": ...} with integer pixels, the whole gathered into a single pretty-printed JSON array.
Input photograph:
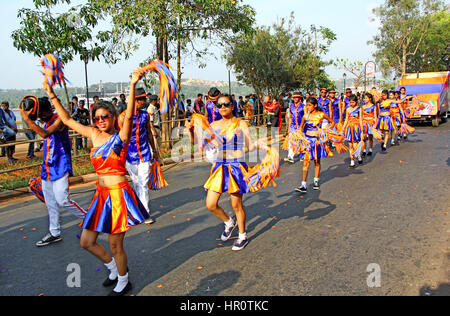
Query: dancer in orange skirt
[{"x": 115, "y": 207}]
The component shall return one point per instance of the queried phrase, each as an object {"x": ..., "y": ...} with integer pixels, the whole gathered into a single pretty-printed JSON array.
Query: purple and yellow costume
[
  {"x": 228, "y": 175},
  {"x": 139, "y": 150},
  {"x": 114, "y": 209},
  {"x": 57, "y": 150},
  {"x": 369, "y": 119},
  {"x": 353, "y": 130},
  {"x": 396, "y": 115},
  {"x": 213, "y": 112},
  {"x": 324, "y": 105},
  {"x": 297, "y": 112},
  {"x": 335, "y": 108},
  {"x": 385, "y": 119},
  {"x": 317, "y": 149}
]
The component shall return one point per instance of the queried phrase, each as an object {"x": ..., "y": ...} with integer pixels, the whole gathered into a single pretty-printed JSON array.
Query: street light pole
[
  {"x": 345, "y": 84},
  {"x": 229, "y": 78}
]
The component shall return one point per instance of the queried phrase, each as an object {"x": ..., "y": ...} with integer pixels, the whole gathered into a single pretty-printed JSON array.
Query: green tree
[
  {"x": 282, "y": 58},
  {"x": 404, "y": 25},
  {"x": 66, "y": 34},
  {"x": 434, "y": 45},
  {"x": 356, "y": 68}
]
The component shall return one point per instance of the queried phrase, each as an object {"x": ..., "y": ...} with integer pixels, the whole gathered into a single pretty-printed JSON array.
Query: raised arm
[
  {"x": 58, "y": 125},
  {"x": 127, "y": 127},
  {"x": 65, "y": 117}
]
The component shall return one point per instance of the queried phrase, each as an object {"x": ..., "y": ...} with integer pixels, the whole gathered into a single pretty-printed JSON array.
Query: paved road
[{"x": 393, "y": 212}]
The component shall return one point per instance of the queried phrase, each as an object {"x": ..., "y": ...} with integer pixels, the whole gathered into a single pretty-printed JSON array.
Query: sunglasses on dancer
[
  {"x": 221, "y": 105},
  {"x": 104, "y": 117}
]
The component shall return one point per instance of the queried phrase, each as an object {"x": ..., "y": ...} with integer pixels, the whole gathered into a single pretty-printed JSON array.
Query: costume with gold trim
[
  {"x": 385, "y": 119},
  {"x": 114, "y": 209}
]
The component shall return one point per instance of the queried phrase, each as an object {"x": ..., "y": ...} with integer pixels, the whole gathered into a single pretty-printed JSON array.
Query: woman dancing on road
[
  {"x": 311, "y": 123},
  {"x": 353, "y": 128},
  {"x": 115, "y": 206},
  {"x": 370, "y": 118}
]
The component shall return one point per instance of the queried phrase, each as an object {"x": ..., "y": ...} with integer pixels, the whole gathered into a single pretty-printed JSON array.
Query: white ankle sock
[
  {"x": 352, "y": 162},
  {"x": 316, "y": 179},
  {"x": 121, "y": 283},
  {"x": 243, "y": 236},
  {"x": 304, "y": 184},
  {"x": 112, "y": 269},
  {"x": 229, "y": 223}
]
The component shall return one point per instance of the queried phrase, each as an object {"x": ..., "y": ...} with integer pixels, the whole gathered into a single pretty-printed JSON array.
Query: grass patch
[{"x": 19, "y": 179}]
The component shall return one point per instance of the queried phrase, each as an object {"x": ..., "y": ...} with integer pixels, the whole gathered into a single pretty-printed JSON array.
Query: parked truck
[{"x": 432, "y": 91}]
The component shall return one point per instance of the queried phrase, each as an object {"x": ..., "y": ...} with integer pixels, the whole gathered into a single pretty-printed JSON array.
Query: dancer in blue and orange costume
[
  {"x": 115, "y": 207},
  {"x": 370, "y": 118},
  {"x": 297, "y": 111},
  {"x": 343, "y": 105},
  {"x": 142, "y": 151},
  {"x": 230, "y": 173},
  {"x": 212, "y": 112},
  {"x": 334, "y": 102},
  {"x": 52, "y": 188},
  {"x": 396, "y": 112},
  {"x": 311, "y": 125},
  {"x": 353, "y": 129},
  {"x": 385, "y": 122},
  {"x": 325, "y": 105},
  {"x": 405, "y": 105}
]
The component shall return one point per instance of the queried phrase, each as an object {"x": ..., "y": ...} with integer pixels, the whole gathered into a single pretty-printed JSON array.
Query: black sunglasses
[
  {"x": 103, "y": 117},
  {"x": 227, "y": 105}
]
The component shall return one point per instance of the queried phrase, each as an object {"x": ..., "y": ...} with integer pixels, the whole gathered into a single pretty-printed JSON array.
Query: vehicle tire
[
  {"x": 445, "y": 117},
  {"x": 435, "y": 121}
]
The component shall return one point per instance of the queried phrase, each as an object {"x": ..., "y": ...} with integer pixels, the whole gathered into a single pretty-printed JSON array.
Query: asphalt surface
[{"x": 392, "y": 212}]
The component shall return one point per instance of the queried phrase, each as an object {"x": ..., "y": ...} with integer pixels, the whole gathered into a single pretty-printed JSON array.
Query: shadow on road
[{"x": 214, "y": 284}]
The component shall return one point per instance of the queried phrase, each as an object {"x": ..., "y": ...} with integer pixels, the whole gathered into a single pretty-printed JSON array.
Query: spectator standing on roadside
[
  {"x": 241, "y": 106},
  {"x": 96, "y": 99},
  {"x": 82, "y": 116},
  {"x": 31, "y": 135},
  {"x": 198, "y": 104},
  {"x": 122, "y": 104},
  {"x": 189, "y": 109},
  {"x": 155, "y": 117},
  {"x": 10, "y": 130}
]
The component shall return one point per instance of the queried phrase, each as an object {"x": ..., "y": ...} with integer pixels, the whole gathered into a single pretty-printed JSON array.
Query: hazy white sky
[{"x": 349, "y": 19}]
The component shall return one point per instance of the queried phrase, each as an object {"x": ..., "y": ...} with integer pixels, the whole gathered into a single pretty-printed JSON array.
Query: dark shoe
[
  {"x": 228, "y": 231},
  {"x": 47, "y": 240},
  {"x": 383, "y": 148},
  {"x": 360, "y": 161},
  {"x": 301, "y": 189},
  {"x": 108, "y": 282},
  {"x": 31, "y": 157},
  {"x": 127, "y": 288},
  {"x": 316, "y": 185},
  {"x": 364, "y": 154},
  {"x": 369, "y": 154},
  {"x": 240, "y": 244}
]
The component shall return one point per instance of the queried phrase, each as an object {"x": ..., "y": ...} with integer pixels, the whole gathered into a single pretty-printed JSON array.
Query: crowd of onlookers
[{"x": 270, "y": 112}]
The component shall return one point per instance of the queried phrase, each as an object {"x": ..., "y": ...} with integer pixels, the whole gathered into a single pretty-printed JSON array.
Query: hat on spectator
[
  {"x": 214, "y": 94},
  {"x": 140, "y": 93},
  {"x": 297, "y": 95}
]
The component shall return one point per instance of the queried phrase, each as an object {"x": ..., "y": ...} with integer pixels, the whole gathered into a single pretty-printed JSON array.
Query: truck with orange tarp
[{"x": 431, "y": 96}]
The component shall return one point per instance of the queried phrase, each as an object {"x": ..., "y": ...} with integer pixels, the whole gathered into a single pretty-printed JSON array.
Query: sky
[{"x": 349, "y": 19}]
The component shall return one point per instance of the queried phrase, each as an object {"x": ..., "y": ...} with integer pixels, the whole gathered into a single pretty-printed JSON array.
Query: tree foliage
[
  {"x": 281, "y": 58},
  {"x": 404, "y": 25}
]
